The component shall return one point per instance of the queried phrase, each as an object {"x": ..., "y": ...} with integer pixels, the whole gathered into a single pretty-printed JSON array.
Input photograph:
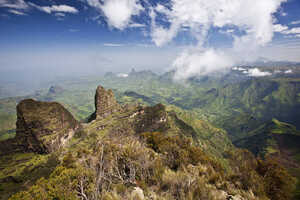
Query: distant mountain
[
  {"x": 54, "y": 90},
  {"x": 132, "y": 152},
  {"x": 273, "y": 138},
  {"x": 277, "y": 141},
  {"x": 264, "y": 62}
]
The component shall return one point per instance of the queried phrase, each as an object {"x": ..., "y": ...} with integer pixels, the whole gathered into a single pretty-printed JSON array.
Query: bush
[
  {"x": 178, "y": 151},
  {"x": 64, "y": 183},
  {"x": 279, "y": 184}
]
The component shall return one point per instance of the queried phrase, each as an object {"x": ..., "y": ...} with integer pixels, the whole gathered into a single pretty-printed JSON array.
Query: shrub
[
  {"x": 279, "y": 184},
  {"x": 178, "y": 151},
  {"x": 64, "y": 183}
]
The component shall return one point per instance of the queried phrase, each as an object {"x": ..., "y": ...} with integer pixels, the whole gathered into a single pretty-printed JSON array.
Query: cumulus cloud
[
  {"x": 255, "y": 72},
  {"x": 254, "y": 18},
  {"x": 117, "y": 12},
  {"x": 55, "y": 8},
  {"x": 193, "y": 63}
]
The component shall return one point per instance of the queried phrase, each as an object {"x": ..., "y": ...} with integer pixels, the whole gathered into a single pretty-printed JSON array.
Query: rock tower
[{"x": 105, "y": 102}]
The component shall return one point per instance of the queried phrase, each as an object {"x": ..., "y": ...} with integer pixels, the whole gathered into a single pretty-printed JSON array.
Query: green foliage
[
  {"x": 69, "y": 160},
  {"x": 23, "y": 169},
  {"x": 152, "y": 119},
  {"x": 262, "y": 177},
  {"x": 64, "y": 183},
  {"x": 166, "y": 165},
  {"x": 178, "y": 151}
]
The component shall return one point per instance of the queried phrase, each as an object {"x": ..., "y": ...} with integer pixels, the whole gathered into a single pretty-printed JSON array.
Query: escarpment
[{"x": 42, "y": 127}]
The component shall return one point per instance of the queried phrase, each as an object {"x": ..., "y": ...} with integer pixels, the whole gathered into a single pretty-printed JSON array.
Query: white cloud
[
  {"x": 295, "y": 22},
  {"x": 283, "y": 14},
  {"x": 239, "y": 69},
  {"x": 112, "y": 45},
  {"x": 16, "y": 4},
  {"x": 253, "y": 17},
  {"x": 194, "y": 63},
  {"x": 292, "y": 31},
  {"x": 16, "y": 12},
  {"x": 122, "y": 75},
  {"x": 280, "y": 28},
  {"x": 288, "y": 71},
  {"x": 117, "y": 12},
  {"x": 277, "y": 71},
  {"x": 255, "y": 72},
  {"x": 136, "y": 25},
  {"x": 55, "y": 8},
  {"x": 60, "y": 14}
]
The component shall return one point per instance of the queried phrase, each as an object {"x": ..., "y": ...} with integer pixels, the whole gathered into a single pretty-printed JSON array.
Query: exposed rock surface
[
  {"x": 151, "y": 119},
  {"x": 105, "y": 104},
  {"x": 43, "y": 127}
]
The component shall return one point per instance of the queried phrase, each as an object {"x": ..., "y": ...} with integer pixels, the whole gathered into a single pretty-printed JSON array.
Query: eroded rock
[
  {"x": 105, "y": 102},
  {"x": 43, "y": 127}
]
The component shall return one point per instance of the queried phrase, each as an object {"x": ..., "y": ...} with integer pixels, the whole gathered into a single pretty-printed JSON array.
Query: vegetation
[
  {"x": 160, "y": 167},
  {"x": 182, "y": 150}
]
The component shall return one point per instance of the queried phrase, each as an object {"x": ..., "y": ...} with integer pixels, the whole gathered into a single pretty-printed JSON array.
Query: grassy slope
[{"x": 279, "y": 140}]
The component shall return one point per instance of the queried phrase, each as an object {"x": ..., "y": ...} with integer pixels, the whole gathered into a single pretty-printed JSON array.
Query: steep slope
[
  {"x": 279, "y": 141},
  {"x": 139, "y": 152},
  {"x": 270, "y": 138},
  {"x": 240, "y": 108},
  {"x": 42, "y": 127}
]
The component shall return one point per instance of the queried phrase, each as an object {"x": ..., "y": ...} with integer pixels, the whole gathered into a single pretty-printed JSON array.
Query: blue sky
[{"x": 82, "y": 37}]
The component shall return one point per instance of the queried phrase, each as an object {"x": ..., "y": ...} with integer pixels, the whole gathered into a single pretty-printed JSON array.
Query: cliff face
[
  {"x": 43, "y": 127},
  {"x": 105, "y": 103}
]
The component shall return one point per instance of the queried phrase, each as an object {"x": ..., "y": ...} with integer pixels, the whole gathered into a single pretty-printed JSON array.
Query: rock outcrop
[
  {"x": 105, "y": 103},
  {"x": 149, "y": 119},
  {"x": 43, "y": 127}
]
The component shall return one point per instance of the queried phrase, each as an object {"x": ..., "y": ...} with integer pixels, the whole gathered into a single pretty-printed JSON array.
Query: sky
[{"x": 49, "y": 38}]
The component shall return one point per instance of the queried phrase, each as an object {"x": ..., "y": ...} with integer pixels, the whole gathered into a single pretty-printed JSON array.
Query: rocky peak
[
  {"x": 43, "y": 127},
  {"x": 105, "y": 102},
  {"x": 53, "y": 90}
]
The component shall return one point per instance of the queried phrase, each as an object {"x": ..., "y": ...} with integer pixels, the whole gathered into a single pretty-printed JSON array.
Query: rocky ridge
[
  {"x": 126, "y": 153},
  {"x": 42, "y": 127}
]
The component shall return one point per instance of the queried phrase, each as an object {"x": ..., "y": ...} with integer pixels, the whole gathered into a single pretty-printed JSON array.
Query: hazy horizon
[{"x": 42, "y": 40}]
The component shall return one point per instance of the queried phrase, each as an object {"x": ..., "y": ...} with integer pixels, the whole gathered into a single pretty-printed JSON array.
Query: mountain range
[{"x": 193, "y": 133}]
